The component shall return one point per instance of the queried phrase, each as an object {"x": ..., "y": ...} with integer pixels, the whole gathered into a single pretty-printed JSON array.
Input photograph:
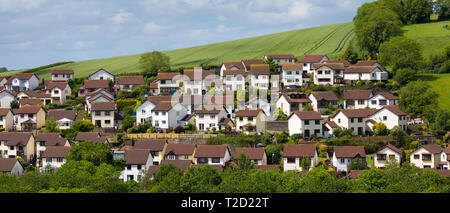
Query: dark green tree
[
  {"x": 416, "y": 96},
  {"x": 400, "y": 52},
  {"x": 95, "y": 153},
  {"x": 404, "y": 75},
  {"x": 153, "y": 62},
  {"x": 83, "y": 126}
]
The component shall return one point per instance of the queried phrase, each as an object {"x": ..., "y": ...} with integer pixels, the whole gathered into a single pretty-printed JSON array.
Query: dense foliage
[{"x": 153, "y": 62}]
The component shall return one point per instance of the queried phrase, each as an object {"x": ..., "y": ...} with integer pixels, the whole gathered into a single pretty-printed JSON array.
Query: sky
[{"x": 40, "y": 32}]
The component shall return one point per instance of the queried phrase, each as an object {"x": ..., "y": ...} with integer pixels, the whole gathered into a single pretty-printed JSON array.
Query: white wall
[{"x": 382, "y": 163}]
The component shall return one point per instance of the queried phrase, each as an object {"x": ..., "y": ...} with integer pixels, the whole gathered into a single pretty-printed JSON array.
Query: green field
[
  {"x": 329, "y": 39},
  {"x": 441, "y": 84}
]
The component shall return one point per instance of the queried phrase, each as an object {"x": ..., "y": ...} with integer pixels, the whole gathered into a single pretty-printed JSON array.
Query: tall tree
[
  {"x": 416, "y": 96},
  {"x": 153, "y": 62},
  {"x": 442, "y": 8},
  {"x": 401, "y": 52}
]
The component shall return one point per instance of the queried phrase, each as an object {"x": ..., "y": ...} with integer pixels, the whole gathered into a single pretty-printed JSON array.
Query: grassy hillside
[
  {"x": 441, "y": 84},
  {"x": 329, "y": 39}
]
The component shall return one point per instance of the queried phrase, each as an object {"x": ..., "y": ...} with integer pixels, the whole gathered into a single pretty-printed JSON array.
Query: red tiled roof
[
  {"x": 131, "y": 80},
  {"x": 21, "y": 76},
  {"x": 346, "y": 63},
  {"x": 251, "y": 153},
  {"x": 61, "y": 114},
  {"x": 56, "y": 152},
  {"x": 237, "y": 64},
  {"x": 357, "y": 94},
  {"x": 387, "y": 95},
  {"x": 62, "y": 71},
  {"x": 27, "y": 110},
  {"x": 248, "y": 62},
  {"x": 149, "y": 143},
  {"x": 359, "y": 69},
  {"x": 95, "y": 84},
  {"x": 4, "y": 111},
  {"x": 308, "y": 115},
  {"x": 55, "y": 84},
  {"x": 296, "y": 97},
  {"x": 103, "y": 106},
  {"x": 169, "y": 76},
  {"x": 311, "y": 58},
  {"x": 333, "y": 66},
  {"x": 433, "y": 148},
  {"x": 294, "y": 67},
  {"x": 234, "y": 72},
  {"x": 7, "y": 164},
  {"x": 210, "y": 151},
  {"x": 191, "y": 74},
  {"x": 15, "y": 138},
  {"x": 299, "y": 150},
  {"x": 349, "y": 151},
  {"x": 394, "y": 109},
  {"x": 259, "y": 69},
  {"x": 248, "y": 112},
  {"x": 164, "y": 106},
  {"x": 366, "y": 63},
  {"x": 358, "y": 113},
  {"x": 328, "y": 96},
  {"x": 180, "y": 149},
  {"x": 281, "y": 56},
  {"x": 136, "y": 157},
  {"x": 391, "y": 147}
]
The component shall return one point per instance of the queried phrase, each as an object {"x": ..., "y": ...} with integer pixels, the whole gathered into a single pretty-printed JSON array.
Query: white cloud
[
  {"x": 122, "y": 17},
  {"x": 24, "y": 45},
  {"x": 19, "y": 5},
  {"x": 79, "y": 45},
  {"x": 151, "y": 27},
  {"x": 221, "y": 18}
]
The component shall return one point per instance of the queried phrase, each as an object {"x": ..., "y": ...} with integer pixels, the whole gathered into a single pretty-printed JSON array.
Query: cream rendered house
[
  {"x": 250, "y": 120},
  {"x": 357, "y": 99},
  {"x": 54, "y": 156},
  {"x": 208, "y": 117},
  {"x": 13, "y": 144},
  {"x": 427, "y": 156},
  {"x": 44, "y": 140},
  {"x": 259, "y": 76},
  {"x": 62, "y": 74},
  {"x": 306, "y": 123},
  {"x": 6, "y": 119},
  {"x": 389, "y": 152},
  {"x": 294, "y": 154},
  {"x": 102, "y": 114},
  {"x": 29, "y": 118},
  {"x": 309, "y": 60},
  {"x": 58, "y": 90},
  {"x": 291, "y": 102}
]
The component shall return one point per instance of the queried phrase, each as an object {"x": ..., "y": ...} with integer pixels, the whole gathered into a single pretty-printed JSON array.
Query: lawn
[
  {"x": 433, "y": 37},
  {"x": 441, "y": 84}
]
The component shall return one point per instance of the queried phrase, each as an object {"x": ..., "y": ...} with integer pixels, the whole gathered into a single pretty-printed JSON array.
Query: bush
[{"x": 178, "y": 129}]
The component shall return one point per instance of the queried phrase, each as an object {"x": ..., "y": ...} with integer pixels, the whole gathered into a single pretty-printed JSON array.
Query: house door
[
  {"x": 360, "y": 131},
  {"x": 98, "y": 123},
  {"x": 307, "y": 133}
]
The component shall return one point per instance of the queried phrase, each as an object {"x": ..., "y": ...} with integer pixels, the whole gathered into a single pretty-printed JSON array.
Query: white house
[
  {"x": 292, "y": 75},
  {"x": 382, "y": 99},
  {"x": 6, "y": 119},
  {"x": 291, "y": 102},
  {"x": 137, "y": 161},
  {"x": 357, "y": 99},
  {"x": 259, "y": 76},
  {"x": 62, "y": 74},
  {"x": 321, "y": 100},
  {"x": 391, "y": 116},
  {"x": 3, "y": 81},
  {"x": 281, "y": 59},
  {"x": 250, "y": 120},
  {"x": 427, "y": 156},
  {"x": 101, "y": 74},
  {"x": 58, "y": 90},
  {"x": 208, "y": 117},
  {"x": 54, "y": 156},
  {"x": 445, "y": 159},
  {"x": 198, "y": 81},
  {"x": 328, "y": 73},
  {"x": 306, "y": 123},
  {"x": 309, "y": 60},
  {"x": 231, "y": 66},
  {"x": 168, "y": 83},
  {"x": 365, "y": 73},
  {"x": 389, "y": 152},
  {"x": 11, "y": 166},
  {"x": 248, "y": 62},
  {"x": 234, "y": 79},
  {"x": 22, "y": 81},
  {"x": 168, "y": 115},
  {"x": 355, "y": 119},
  {"x": 343, "y": 156},
  {"x": 156, "y": 147},
  {"x": 45, "y": 140},
  {"x": 98, "y": 95},
  {"x": 13, "y": 144},
  {"x": 257, "y": 156},
  {"x": 6, "y": 97},
  {"x": 128, "y": 83},
  {"x": 256, "y": 103},
  {"x": 212, "y": 155},
  {"x": 293, "y": 155}
]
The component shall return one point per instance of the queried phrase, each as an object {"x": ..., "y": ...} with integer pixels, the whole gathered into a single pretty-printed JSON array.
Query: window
[
  {"x": 317, "y": 122},
  {"x": 342, "y": 160},
  {"x": 291, "y": 160},
  {"x": 250, "y": 118},
  {"x": 384, "y": 118},
  {"x": 129, "y": 167},
  {"x": 360, "y": 101},
  {"x": 139, "y": 167},
  {"x": 391, "y": 157},
  {"x": 327, "y": 72},
  {"x": 30, "y": 115},
  {"x": 306, "y": 122},
  {"x": 59, "y": 160},
  {"x": 49, "y": 160},
  {"x": 381, "y": 156},
  {"x": 107, "y": 113},
  {"x": 1, "y": 118},
  {"x": 186, "y": 157},
  {"x": 416, "y": 156},
  {"x": 202, "y": 160},
  {"x": 426, "y": 157},
  {"x": 22, "y": 115},
  {"x": 11, "y": 148},
  {"x": 352, "y": 120},
  {"x": 171, "y": 157},
  {"x": 163, "y": 122},
  {"x": 212, "y": 116},
  {"x": 98, "y": 113},
  {"x": 130, "y": 177},
  {"x": 382, "y": 102},
  {"x": 319, "y": 72},
  {"x": 215, "y": 160},
  {"x": 339, "y": 120},
  {"x": 374, "y": 101},
  {"x": 156, "y": 113},
  {"x": 241, "y": 118},
  {"x": 201, "y": 116},
  {"x": 107, "y": 121},
  {"x": 163, "y": 113},
  {"x": 360, "y": 120}
]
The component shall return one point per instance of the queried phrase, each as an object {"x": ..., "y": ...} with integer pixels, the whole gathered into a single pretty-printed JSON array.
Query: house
[
  {"x": 98, "y": 95},
  {"x": 198, "y": 81},
  {"x": 208, "y": 117},
  {"x": 345, "y": 62},
  {"x": 102, "y": 74},
  {"x": 6, "y": 119},
  {"x": 13, "y": 144},
  {"x": 168, "y": 83},
  {"x": 154, "y": 88},
  {"x": 330, "y": 126},
  {"x": 179, "y": 152},
  {"x": 226, "y": 124},
  {"x": 22, "y": 81},
  {"x": 292, "y": 75},
  {"x": 212, "y": 155},
  {"x": 231, "y": 66},
  {"x": 103, "y": 114},
  {"x": 381, "y": 99},
  {"x": 306, "y": 123},
  {"x": 128, "y": 83},
  {"x": 91, "y": 86},
  {"x": 144, "y": 111},
  {"x": 29, "y": 102},
  {"x": 54, "y": 156},
  {"x": 6, "y": 97},
  {"x": 257, "y": 156},
  {"x": 281, "y": 59},
  {"x": 45, "y": 140},
  {"x": 328, "y": 73},
  {"x": 365, "y": 73},
  {"x": 355, "y": 119},
  {"x": 256, "y": 102},
  {"x": 427, "y": 156},
  {"x": 58, "y": 90},
  {"x": 29, "y": 118},
  {"x": 234, "y": 79},
  {"x": 137, "y": 161},
  {"x": 357, "y": 99},
  {"x": 389, "y": 152},
  {"x": 391, "y": 116},
  {"x": 259, "y": 76},
  {"x": 168, "y": 115},
  {"x": 321, "y": 100},
  {"x": 62, "y": 74},
  {"x": 343, "y": 156},
  {"x": 292, "y": 101},
  {"x": 3, "y": 81},
  {"x": 354, "y": 174},
  {"x": 45, "y": 99},
  {"x": 156, "y": 147},
  {"x": 293, "y": 155},
  {"x": 309, "y": 60},
  {"x": 93, "y": 137},
  {"x": 250, "y": 120},
  {"x": 445, "y": 159},
  {"x": 219, "y": 101},
  {"x": 248, "y": 62},
  {"x": 11, "y": 166}
]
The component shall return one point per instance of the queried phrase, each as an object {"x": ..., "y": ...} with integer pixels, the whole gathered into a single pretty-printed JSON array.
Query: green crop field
[
  {"x": 329, "y": 39},
  {"x": 441, "y": 84}
]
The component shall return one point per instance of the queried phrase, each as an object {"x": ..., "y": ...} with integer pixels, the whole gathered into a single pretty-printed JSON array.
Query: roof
[
  {"x": 281, "y": 56},
  {"x": 433, "y": 148},
  {"x": 296, "y": 97},
  {"x": 299, "y": 150},
  {"x": 193, "y": 74},
  {"x": 188, "y": 117},
  {"x": 333, "y": 66},
  {"x": 357, "y": 94},
  {"x": 311, "y": 58},
  {"x": 30, "y": 101},
  {"x": 248, "y": 112},
  {"x": 156, "y": 99},
  {"x": 248, "y": 62},
  {"x": 131, "y": 80},
  {"x": 208, "y": 110},
  {"x": 234, "y": 72},
  {"x": 103, "y": 106},
  {"x": 154, "y": 85},
  {"x": 164, "y": 106},
  {"x": 51, "y": 139},
  {"x": 7, "y": 164},
  {"x": 149, "y": 143},
  {"x": 34, "y": 94},
  {"x": 359, "y": 69},
  {"x": 366, "y": 63},
  {"x": 62, "y": 71},
  {"x": 308, "y": 115},
  {"x": 357, "y": 113},
  {"x": 345, "y": 62},
  {"x": 21, "y": 76},
  {"x": 332, "y": 124},
  {"x": 56, "y": 152},
  {"x": 4, "y": 111},
  {"x": 259, "y": 69},
  {"x": 15, "y": 138},
  {"x": 443, "y": 173},
  {"x": 180, "y": 149},
  {"x": 90, "y": 136},
  {"x": 354, "y": 174},
  {"x": 251, "y": 153},
  {"x": 27, "y": 110},
  {"x": 101, "y": 70},
  {"x": 349, "y": 151},
  {"x": 292, "y": 67},
  {"x": 99, "y": 91},
  {"x": 387, "y": 95},
  {"x": 328, "y": 96},
  {"x": 447, "y": 150},
  {"x": 225, "y": 121},
  {"x": 394, "y": 109},
  {"x": 138, "y": 157},
  {"x": 211, "y": 151},
  {"x": 229, "y": 65},
  {"x": 94, "y": 84},
  {"x": 168, "y": 76},
  {"x": 56, "y": 84},
  {"x": 391, "y": 147}
]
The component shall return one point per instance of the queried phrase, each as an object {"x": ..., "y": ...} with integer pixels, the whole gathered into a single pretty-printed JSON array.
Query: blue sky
[{"x": 40, "y": 32}]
